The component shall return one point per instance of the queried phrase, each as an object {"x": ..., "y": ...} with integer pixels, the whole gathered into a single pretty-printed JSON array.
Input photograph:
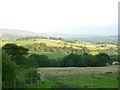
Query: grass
[
  {"x": 92, "y": 81},
  {"x": 46, "y": 84},
  {"x": 83, "y": 77},
  {"x": 49, "y": 42},
  {"x": 21, "y": 43}
]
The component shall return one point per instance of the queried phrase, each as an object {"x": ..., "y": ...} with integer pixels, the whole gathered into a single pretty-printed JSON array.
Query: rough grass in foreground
[
  {"x": 46, "y": 84},
  {"x": 92, "y": 81},
  {"x": 83, "y": 77}
]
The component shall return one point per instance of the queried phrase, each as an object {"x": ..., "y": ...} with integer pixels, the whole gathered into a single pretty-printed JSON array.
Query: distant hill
[
  {"x": 14, "y": 34},
  {"x": 98, "y": 39},
  {"x": 7, "y": 34}
]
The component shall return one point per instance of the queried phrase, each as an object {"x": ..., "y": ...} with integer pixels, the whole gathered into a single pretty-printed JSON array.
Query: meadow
[{"x": 81, "y": 77}]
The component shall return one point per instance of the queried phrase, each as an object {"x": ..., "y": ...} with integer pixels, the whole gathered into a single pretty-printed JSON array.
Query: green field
[
  {"x": 21, "y": 43},
  {"x": 82, "y": 77}
]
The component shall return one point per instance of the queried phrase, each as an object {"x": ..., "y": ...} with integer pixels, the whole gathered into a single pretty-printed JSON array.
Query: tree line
[
  {"x": 73, "y": 60},
  {"x": 42, "y": 47},
  {"x": 40, "y": 37},
  {"x": 32, "y": 37},
  {"x": 17, "y": 69}
]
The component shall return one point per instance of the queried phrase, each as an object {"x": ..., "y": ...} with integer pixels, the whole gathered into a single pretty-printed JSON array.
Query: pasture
[{"x": 82, "y": 77}]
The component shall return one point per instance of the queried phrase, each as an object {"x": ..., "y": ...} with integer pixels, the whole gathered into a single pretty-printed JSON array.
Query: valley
[{"x": 65, "y": 63}]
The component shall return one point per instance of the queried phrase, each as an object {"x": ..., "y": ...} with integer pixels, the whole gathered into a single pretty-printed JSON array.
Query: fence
[{"x": 21, "y": 84}]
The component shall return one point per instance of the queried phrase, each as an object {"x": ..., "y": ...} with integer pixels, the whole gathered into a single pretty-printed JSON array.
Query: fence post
[
  {"x": 3, "y": 85},
  {"x": 31, "y": 80},
  {"x": 36, "y": 81},
  {"x": 24, "y": 84},
  {"x": 14, "y": 83}
]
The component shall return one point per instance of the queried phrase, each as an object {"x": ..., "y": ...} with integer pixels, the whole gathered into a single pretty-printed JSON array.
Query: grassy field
[
  {"x": 21, "y": 43},
  {"x": 82, "y": 77}
]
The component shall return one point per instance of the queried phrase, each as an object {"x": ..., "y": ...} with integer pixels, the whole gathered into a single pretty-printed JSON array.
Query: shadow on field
[{"x": 57, "y": 84}]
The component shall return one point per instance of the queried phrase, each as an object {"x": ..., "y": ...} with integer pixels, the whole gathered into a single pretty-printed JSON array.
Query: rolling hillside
[
  {"x": 8, "y": 34},
  {"x": 104, "y": 44},
  {"x": 58, "y": 44},
  {"x": 98, "y": 39}
]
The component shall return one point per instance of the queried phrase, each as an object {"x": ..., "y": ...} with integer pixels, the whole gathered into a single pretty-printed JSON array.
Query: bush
[{"x": 31, "y": 75}]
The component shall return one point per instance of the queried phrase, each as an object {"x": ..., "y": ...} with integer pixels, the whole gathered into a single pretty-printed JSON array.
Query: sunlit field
[{"x": 57, "y": 43}]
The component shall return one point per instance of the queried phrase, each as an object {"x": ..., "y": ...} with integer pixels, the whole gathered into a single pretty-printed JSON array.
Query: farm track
[{"x": 57, "y": 84}]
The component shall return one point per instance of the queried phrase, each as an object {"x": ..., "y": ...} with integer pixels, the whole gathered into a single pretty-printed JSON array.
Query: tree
[
  {"x": 61, "y": 38},
  {"x": 9, "y": 69},
  {"x": 25, "y": 62},
  {"x": 106, "y": 57},
  {"x": 101, "y": 61},
  {"x": 31, "y": 74},
  {"x": 41, "y": 60},
  {"x": 70, "y": 63},
  {"x": 14, "y": 50},
  {"x": 71, "y": 60},
  {"x": 103, "y": 55},
  {"x": 15, "y": 66},
  {"x": 85, "y": 54},
  {"x": 53, "y": 38}
]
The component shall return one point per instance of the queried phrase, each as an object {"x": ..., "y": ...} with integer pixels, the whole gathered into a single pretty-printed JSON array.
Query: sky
[{"x": 60, "y": 16}]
